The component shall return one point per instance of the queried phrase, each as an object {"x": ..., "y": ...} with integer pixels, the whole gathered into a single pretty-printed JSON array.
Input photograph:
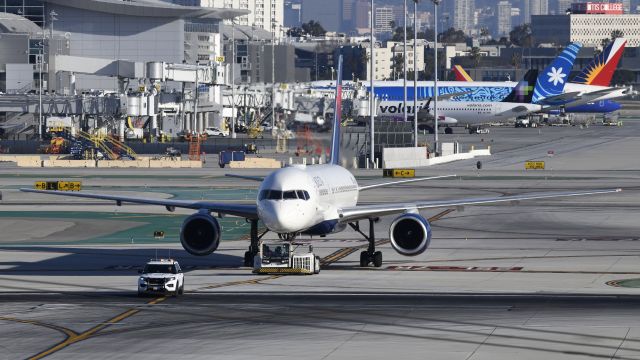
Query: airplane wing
[
  {"x": 245, "y": 177},
  {"x": 360, "y": 212},
  {"x": 240, "y": 210},
  {"x": 374, "y": 186},
  {"x": 590, "y": 97}
]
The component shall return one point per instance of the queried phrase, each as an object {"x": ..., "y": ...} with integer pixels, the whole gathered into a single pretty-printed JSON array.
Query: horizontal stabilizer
[{"x": 561, "y": 99}]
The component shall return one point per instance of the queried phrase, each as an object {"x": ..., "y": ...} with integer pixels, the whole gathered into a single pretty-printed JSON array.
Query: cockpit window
[
  {"x": 284, "y": 195},
  {"x": 289, "y": 195},
  {"x": 302, "y": 194}
]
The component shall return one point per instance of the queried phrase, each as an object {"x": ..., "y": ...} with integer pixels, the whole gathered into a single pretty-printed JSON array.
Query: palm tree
[
  {"x": 616, "y": 34},
  {"x": 475, "y": 56}
]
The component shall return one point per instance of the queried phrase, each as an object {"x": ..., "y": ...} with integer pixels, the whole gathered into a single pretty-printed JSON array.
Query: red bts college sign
[{"x": 597, "y": 8}]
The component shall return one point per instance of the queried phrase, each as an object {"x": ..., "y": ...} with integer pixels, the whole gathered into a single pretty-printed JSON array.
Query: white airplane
[
  {"x": 315, "y": 200},
  {"x": 530, "y": 95}
]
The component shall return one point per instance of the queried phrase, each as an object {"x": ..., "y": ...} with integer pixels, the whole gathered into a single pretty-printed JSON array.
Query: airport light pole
[
  {"x": 435, "y": 74},
  {"x": 372, "y": 100},
  {"x": 415, "y": 72},
  {"x": 273, "y": 75},
  {"x": 404, "y": 59},
  {"x": 40, "y": 69},
  {"x": 233, "y": 79}
]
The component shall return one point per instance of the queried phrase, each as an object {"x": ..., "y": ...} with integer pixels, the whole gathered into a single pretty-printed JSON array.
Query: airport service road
[
  {"x": 554, "y": 279},
  {"x": 319, "y": 326}
]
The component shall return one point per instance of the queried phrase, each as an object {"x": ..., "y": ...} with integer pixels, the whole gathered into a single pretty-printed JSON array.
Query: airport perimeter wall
[
  {"x": 398, "y": 158},
  {"x": 211, "y": 146}
]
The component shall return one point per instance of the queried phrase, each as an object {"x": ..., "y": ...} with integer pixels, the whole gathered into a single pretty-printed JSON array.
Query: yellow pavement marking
[
  {"x": 64, "y": 330},
  {"x": 73, "y": 337},
  {"x": 344, "y": 252}
]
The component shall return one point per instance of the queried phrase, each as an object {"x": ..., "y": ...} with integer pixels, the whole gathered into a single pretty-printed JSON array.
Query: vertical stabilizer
[
  {"x": 600, "y": 70},
  {"x": 523, "y": 91},
  {"x": 337, "y": 115},
  {"x": 553, "y": 78},
  {"x": 461, "y": 74}
]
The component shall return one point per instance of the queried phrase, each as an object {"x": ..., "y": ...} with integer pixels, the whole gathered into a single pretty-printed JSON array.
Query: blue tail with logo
[
  {"x": 553, "y": 78},
  {"x": 337, "y": 116}
]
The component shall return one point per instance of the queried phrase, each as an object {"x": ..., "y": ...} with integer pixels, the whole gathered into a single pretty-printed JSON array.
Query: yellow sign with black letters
[
  {"x": 399, "y": 173},
  {"x": 58, "y": 185},
  {"x": 534, "y": 165}
]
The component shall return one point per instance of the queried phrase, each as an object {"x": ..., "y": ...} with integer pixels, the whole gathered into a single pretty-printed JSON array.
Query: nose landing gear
[{"x": 370, "y": 255}]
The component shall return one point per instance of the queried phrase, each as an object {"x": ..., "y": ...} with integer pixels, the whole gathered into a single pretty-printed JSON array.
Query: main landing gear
[
  {"x": 370, "y": 255},
  {"x": 255, "y": 243}
]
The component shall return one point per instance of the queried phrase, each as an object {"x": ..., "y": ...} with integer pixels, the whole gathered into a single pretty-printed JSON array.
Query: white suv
[
  {"x": 161, "y": 277},
  {"x": 214, "y": 131}
]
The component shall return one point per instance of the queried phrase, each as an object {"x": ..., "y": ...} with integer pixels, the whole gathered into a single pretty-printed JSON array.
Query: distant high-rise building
[
  {"x": 326, "y": 12},
  {"x": 361, "y": 14},
  {"x": 463, "y": 15},
  {"x": 347, "y": 15},
  {"x": 265, "y": 14},
  {"x": 534, "y": 7},
  {"x": 526, "y": 11},
  {"x": 563, "y": 6},
  {"x": 504, "y": 18},
  {"x": 539, "y": 7},
  {"x": 292, "y": 14},
  {"x": 384, "y": 17},
  {"x": 626, "y": 4}
]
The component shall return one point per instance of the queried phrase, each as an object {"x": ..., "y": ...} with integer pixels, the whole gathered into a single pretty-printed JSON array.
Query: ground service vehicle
[
  {"x": 281, "y": 258},
  {"x": 162, "y": 276}
]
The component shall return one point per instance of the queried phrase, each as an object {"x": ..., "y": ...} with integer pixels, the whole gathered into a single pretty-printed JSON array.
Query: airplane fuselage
[
  {"x": 306, "y": 198},
  {"x": 464, "y": 113}
]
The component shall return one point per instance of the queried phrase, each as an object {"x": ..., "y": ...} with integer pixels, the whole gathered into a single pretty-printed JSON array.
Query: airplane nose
[{"x": 278, "y": 218}]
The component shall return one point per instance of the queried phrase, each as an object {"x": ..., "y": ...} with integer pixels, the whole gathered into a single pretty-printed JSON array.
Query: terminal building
[
  {"x": 69, "y": 47},
  {"x": 589, "y": 23}
]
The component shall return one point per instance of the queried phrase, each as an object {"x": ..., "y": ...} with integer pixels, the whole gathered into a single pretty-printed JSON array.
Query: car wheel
[{"x": 182, "y": 288}]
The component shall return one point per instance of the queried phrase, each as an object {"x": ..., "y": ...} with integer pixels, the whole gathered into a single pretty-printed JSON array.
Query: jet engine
[
  {"x": 410, "y": 234},
  {"x": 200, "y": 234}
]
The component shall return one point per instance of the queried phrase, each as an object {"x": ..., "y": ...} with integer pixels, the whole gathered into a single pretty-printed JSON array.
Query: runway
[{"x": 554, "y": 278}]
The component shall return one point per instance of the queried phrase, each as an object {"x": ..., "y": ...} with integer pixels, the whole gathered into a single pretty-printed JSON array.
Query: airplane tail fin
[
  {"x": 523, "y": 92},
  {"x": 553, "y": 78},
  {"x": 337, "y": 115},
  {"x": 461, "y": 74},
  {"x": 600, "y": 70}
]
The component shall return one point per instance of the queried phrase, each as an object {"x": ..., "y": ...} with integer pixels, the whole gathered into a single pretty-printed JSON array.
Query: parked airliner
[
  {"x": 528, "y": 96},
  {"x": 315, "y": 200}
]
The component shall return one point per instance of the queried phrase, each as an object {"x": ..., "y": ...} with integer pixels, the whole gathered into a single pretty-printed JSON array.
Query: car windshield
[{"x": 160, "y": 268}]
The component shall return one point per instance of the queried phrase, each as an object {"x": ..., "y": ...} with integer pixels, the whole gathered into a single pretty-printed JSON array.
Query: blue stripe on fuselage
[
  {"x": 325, "y": 228},
  {"x": 599, "y": 107},
  {"x": 476, "y": 93}
]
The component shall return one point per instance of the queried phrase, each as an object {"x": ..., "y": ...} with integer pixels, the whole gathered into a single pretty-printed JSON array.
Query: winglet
[
  {"x": 337, "y": 115},
  {"x": 553, "y": 78}
]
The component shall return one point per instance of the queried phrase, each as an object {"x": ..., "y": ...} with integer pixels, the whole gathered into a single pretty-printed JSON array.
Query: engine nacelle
[
  {"x": 200, "y": 234},
  {"x": 410, "y": 234}
]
